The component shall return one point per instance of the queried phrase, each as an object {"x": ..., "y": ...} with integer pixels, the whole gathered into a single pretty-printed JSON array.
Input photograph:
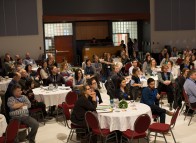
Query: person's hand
[
  {"x": 37, "y": 78},
  {"x": 167, "y": 82},
  {"x": 140, "y": 85},
  {"x": 93, "y": 95},
  {"x": 158, "y": 96},
  {"x": 70, "y": 78}
]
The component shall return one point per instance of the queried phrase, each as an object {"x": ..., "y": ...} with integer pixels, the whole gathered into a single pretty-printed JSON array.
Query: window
[
  {"x": 55, "y": 29},
  {"x": 129, "y": 27}
]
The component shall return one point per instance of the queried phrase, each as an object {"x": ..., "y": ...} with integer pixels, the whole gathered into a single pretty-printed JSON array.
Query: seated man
[
  {"x": 8, "y": 92},
  {"x": 134, "y": 65},
  {"x": 190, "y": 87},
  {"x": 8, "y": 66},
  {"x": 23, "y": 80},
  {"x": 151, "y": 98},
  {"x": 28, "y": 60},
  {"x": 19, "y": 105},
  {"x": 55, "y": 78}
]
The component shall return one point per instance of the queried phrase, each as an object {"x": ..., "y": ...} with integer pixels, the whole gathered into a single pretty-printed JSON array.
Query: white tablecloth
[
  {"x": 4, "y": 84},
  {"x": 50, "y": 98},
  {"x": 3, "y": 124},
  {"x": 124, "y": 119}
]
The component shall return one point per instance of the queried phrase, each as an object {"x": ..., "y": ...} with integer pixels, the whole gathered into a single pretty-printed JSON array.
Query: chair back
[
  {"x": 174, "y": 117},
  {"x": 142, "y": 123},
  {"x": 69, "y": 83},
  {"x": 185, "y": 96},
  {"x": 66, "y": 111},
  {"x": 71, "y": 98},
  {"x": 127, "y": 66},
  {"x": 92, "y": 121},
  {"x": 12, "y": 130}
]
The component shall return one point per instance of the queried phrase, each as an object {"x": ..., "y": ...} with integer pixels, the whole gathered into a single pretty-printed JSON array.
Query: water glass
[
  {"x": 132, "y": 103},
  {"x": 116, "y": 102},
  {"x": 112, "y": 103}
]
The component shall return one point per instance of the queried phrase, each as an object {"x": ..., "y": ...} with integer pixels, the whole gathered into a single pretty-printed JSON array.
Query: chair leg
[
  {"x": 164, "y": 138},
  {"x": 155, "y": 137},
  {"x": 186, "y": 114},
  {"x": 116, "y": 137},
  {"x": 43, "y": 118},
  {"x": 69, "y": 136},
  {"x": 72, "y": 134},
  {"x": 182, "y": 108},
  {"x": 191, "y": 118},
  {"x": 106, "y": 140},
  {"x": 57, "y": 114},
  {"x": 148, "y": 137},
  {"x": 90, "y": 138},
  {"x": 173, "y": 136}
]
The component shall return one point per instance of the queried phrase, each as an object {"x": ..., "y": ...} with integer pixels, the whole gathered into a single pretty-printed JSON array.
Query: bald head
[{"x": 27, "y": 55}]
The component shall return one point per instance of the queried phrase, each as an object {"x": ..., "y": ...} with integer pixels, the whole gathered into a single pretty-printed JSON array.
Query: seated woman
[
  {"x": 30, "y": 95},
  {"x": 78, "y": 81},
  {"x": 65, "y": 72},
  {"x": 44, "y": 72},
  {"x": 87, "y": 102},
  {"x": 187, "y": 64},
  {"x": 122, "y": 90},
  {"x": 32, "y": 74},
  {"x": 146, "y": 64},
  {"x": 175, "y": 72},
  {"x": 152, "y": 68},
  {"x": 93, "y": 84},
  {"x": 165, "y": 80},
  {"x": 135, "y": 83},
  {"x": 151, "y": 98},
  {"x": 165, "y": 60},
  {"x": 174, "y": 52}
]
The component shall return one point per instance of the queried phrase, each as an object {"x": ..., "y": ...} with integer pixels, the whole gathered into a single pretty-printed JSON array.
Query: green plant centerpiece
[{"x": 123, "y": 104}]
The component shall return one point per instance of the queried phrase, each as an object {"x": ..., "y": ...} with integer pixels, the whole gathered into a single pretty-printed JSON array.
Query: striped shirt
[{"x": 21, "y": 111}]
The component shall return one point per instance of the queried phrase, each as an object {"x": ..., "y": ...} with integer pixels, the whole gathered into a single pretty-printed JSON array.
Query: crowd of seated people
[{"x": 118, "y": 84}]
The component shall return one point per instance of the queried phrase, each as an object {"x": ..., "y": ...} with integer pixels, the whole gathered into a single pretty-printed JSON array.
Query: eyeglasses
[{"x": 88, "y": 89}]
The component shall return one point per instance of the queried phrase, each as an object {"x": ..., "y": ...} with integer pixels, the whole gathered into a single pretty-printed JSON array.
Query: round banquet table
[
  {"x": 51, "y": 97},
  {"x": 4, "y": 84},
  {"x": 123, "y": 119},
  {"x": 3, "y": 124}
]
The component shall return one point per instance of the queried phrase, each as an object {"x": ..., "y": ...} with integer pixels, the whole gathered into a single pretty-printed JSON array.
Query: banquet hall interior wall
[
  {"x": 25, "y": 43},
  {"x": 32, "y": 43}
]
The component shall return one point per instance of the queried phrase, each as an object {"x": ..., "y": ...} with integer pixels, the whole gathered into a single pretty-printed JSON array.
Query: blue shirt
[
  {"x": 190, "y": 88},
  {"x": 149, "y": 96}
]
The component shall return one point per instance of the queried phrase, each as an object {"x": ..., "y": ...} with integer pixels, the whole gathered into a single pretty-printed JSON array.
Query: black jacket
[
  {"x": 56, "y": 79},
  {"x": 81, "y": 107}
]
